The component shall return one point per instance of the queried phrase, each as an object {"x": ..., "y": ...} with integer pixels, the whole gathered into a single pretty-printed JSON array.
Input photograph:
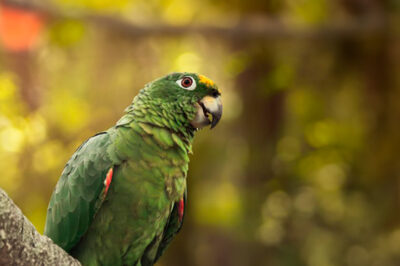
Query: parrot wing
[
  {"x": 80, "y": 191},
  {"x": 173, "y": 226}
]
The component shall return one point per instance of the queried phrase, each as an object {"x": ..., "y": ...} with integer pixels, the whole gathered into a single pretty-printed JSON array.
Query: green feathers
[{"x": 77, "y": 192}]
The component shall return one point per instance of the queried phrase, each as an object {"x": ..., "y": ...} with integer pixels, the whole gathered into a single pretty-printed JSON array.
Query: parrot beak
[{"x": 207, "y": 106}]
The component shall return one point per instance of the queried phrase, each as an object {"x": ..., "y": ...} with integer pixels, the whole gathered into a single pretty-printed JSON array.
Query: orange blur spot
[{"x": 19, "y": 29}]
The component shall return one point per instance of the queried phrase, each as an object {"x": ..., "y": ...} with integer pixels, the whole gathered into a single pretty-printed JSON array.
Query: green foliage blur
[{"x": 303, "y": 168}]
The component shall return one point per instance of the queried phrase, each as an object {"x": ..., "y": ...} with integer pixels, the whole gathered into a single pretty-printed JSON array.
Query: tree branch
[{"x": 21, "y": 244}]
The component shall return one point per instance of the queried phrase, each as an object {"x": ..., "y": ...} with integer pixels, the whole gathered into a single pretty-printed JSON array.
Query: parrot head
[{"x": 187, "y": 99}]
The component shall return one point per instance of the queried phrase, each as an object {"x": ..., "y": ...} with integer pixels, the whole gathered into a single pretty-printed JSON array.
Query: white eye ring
[{"x": 187, "y": 83}]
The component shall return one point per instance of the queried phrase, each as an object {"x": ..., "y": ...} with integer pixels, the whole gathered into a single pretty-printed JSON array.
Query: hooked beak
[{"x": 207, "y": 106}]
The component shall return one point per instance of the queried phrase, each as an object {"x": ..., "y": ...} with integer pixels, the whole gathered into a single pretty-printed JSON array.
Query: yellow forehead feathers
[{"x": 205, "y": 80}]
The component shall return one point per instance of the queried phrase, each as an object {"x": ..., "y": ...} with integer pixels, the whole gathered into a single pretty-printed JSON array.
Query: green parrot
[{"x": 121, "y": 197}]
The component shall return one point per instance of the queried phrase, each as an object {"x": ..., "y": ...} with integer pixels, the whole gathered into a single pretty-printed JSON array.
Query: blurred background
[{"x": 304, "y": 167}]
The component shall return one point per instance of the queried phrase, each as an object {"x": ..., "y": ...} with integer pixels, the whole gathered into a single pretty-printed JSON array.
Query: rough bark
[{"x": 21, "y": 244}]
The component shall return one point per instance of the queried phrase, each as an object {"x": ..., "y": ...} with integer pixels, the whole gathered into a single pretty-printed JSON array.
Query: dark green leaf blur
[{"x": 304, "y": 167}]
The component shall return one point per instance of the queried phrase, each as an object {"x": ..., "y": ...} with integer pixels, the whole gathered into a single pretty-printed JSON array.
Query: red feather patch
[
  {"x": 107, "y": 182},
  {"x": 181, "y": 208}
]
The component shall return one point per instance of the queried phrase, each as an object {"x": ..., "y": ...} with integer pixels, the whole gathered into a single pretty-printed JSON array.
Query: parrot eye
[{"x": 187, "y": 83}]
